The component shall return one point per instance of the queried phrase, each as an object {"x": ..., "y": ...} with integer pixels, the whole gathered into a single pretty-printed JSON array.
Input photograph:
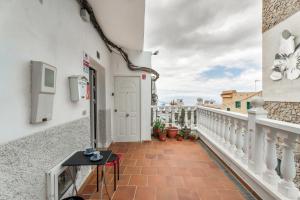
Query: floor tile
[
  {"x": 145, "y": 193},
  {"x": 138, "y": 180},
  {"x": 164, "y": 193},
  {"x": 132, "y": 170},
  {"x": 157, "y": 181},
  {"x": 124, "y": 193},
  {"x": 187, "y": 194},
  {"x": 149, "y": 171}
]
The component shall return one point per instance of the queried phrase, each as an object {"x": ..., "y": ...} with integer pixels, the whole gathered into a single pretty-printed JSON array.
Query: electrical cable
[{"x": 109, "y": 44}]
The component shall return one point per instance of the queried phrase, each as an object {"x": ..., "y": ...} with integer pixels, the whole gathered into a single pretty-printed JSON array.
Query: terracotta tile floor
[{"x": 165, "y": 171}]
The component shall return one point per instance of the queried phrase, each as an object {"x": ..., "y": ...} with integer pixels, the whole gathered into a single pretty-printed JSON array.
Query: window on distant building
[
  {"x": 228, "y": 109},
  {"x": 248, "y": 105},
  {"x": 238, "y": 104}
]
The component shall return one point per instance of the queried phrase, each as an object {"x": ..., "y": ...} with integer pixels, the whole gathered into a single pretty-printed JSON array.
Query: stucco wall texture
[{"x": 275, "y": 11}]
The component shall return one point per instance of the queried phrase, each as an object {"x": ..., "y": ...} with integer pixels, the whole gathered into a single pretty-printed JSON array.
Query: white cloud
[{"x": 196, "y": 35}]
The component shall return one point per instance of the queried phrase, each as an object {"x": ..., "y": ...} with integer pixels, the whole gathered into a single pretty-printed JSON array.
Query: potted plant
[
  {"x": 172, "y": 132},
  {"x": 193, "y": 137},
  {"x": 163, "y": 136},
  {"x": 180, "y": 135},
  {"x": 157, "y": 127},
  {"x": 187, "y": 132}
]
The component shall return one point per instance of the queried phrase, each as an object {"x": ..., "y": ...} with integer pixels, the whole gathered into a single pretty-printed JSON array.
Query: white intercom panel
[
  {"x": 78, "y": 88},
  {"x": 43, "y": 86}
]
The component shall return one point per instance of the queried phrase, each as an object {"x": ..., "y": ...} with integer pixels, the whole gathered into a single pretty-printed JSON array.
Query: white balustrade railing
[
  {"x": 167, "y": 115},
  {"x": 247, "y": 143}
]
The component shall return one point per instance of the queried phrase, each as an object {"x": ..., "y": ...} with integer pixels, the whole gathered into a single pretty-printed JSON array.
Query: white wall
[
  {"x": 119, "y": 68},
  {"x": 283, "y": 90},
  {"x": 52, "y": 32}
]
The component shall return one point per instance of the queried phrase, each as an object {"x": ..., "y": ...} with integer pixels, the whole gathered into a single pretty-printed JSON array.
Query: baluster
[
  {"x": 223, "y": 132},
  {"x": 259, "y": 150},
  {"x": 215, "y": 125},
  {"x": 233, "y": 136},
  {"x": 192, "y": 118},
  {"x": 211, "y": 123},
  {"x": 239, "y": 140},
  {"x": 202, "y": 118},
  {"x": 228, "y": 130},
  {"x": 288, "y": 170},
  {"x": 246, "y": 142},
  {"x": 186, "y": 116},
  {"x": 219, "y": 127},
  {"x": 270, "y": 174},
  {"x": 198, "y": 118},
  {"x": 173, "y": 116},
  {"x": 206, "y": 120}
]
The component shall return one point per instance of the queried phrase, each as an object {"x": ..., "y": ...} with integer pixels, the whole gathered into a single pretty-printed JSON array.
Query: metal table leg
[
  {"x": 103, "y": 183},
  {"x": 97, "y": 179},
  {"x": 115, "y": 177}
]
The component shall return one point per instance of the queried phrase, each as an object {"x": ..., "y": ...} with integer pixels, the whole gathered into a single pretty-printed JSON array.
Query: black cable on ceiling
[{"x": 85, "y": 5}]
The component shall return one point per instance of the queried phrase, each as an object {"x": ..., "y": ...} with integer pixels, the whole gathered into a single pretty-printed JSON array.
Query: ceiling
[{"x": 122, "y": 21}]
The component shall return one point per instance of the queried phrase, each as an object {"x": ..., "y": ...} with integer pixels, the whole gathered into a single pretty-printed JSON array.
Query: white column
[
  {"x": 214, "y": 125},
  {"x": 218, "y": 117},
  {"x": 233, "y": 136},
  {"x": 288, "y": 170},
  {"x": 210, "y": 122},
  {"x": 173, "y": 116},
  {"x": 256, "y": 137},
  {"x": 228, "y": 130},
  {"x": 192, "y": 118},
  {"x": 223, "y": 132},
  {"x": 239, "y": 141},
  {"x": 246, "y": 142},
  {"x": 154, "y": 113},
  {"x": 186, "y": 116},
  {"x": 270, "y": 175}
]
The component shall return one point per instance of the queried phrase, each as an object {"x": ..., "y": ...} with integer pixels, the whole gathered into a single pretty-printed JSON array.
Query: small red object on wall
[{"x": 144, "y": 76}]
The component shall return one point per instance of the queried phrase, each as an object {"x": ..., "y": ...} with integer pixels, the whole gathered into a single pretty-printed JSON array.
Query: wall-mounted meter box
[
  {"x": 43, "y": 87},
  {"x": 78, "y": 88}
]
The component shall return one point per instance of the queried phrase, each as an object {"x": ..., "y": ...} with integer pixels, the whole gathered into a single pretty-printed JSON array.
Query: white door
[{"x": 127, "y": 109}]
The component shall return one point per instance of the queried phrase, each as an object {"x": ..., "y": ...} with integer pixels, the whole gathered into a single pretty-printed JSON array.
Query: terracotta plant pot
[
  {"x": 156, "y": 132},
  {"x": 179, "y": 138},
  {"x": 162, "y": 137},
  {"x": 192, "y": 137},
  {"x": 172, "y": 132}
]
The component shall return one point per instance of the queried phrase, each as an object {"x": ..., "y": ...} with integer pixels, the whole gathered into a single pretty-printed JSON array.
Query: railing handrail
[
  {"x": 281, "y": 125},
  {"x": 227, "y": 113}
]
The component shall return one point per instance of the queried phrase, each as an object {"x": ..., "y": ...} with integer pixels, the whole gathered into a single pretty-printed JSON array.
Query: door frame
[
  {"x": 93, "y": 107},
  {"x": 140, "y": 102}
]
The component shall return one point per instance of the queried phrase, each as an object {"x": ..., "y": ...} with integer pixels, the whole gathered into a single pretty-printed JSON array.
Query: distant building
[{"x": 237, "y": 101}]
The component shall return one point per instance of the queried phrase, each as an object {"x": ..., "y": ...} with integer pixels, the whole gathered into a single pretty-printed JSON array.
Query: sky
[{"x": 205, "y": 47}]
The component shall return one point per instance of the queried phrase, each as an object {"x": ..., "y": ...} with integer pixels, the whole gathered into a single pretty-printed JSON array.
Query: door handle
[{"x": 127, "y": 115}]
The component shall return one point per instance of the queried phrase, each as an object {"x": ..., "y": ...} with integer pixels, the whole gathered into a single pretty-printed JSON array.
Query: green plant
[
  {"x": 181, "y": 133},
  {"x": 157, "y": 124},
  {"x": 181, "y": 117},
  {"x": 162, "y": 127}
]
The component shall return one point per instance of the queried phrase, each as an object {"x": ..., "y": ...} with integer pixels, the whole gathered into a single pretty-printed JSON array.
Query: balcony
[{"x": 247, "y": 145}]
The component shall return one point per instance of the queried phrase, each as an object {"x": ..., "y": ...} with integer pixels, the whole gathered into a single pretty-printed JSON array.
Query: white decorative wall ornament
[{"x": 287, "y": 61}]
